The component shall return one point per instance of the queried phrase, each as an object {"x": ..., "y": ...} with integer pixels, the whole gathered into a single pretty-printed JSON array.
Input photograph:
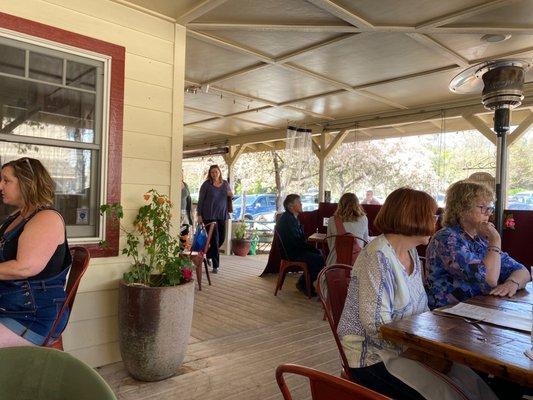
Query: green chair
[{"x": 39, "y": 373}]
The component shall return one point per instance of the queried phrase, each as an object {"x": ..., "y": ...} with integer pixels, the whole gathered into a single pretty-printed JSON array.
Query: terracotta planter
[
  {"x": 240, "y": 247},
  {"x": 154, "y": 328}
]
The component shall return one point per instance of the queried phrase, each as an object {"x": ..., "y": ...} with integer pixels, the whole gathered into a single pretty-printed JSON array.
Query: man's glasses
[{"x": 487, "y": 210}]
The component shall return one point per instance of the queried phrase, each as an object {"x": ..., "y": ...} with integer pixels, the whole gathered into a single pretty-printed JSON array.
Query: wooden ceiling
[{"x": 382, "y": 67}]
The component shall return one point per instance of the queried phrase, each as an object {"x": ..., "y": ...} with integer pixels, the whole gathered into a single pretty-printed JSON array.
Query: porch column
[
  {"x": 323, "y": 151},
  {"x": 230, "y": 159}
]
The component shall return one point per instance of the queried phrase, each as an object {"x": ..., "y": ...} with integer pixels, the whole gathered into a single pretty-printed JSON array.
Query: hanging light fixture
[{"x": 501, "y": 85}]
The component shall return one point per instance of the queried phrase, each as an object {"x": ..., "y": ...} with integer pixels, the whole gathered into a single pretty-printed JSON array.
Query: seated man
[{"x": 294, "y": 242}]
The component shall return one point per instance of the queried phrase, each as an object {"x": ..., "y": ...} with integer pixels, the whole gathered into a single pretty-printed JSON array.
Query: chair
[
  {"x": 344, "y": 247},
  {"x": 287, "y": 265},
  {"x": 80, "y": 262},
  {"x": 40, "y": 373},
  {"x": 199, "y": 257},
  {"x": 332, "y": 288},
  {"x": 325, "y": 386}
]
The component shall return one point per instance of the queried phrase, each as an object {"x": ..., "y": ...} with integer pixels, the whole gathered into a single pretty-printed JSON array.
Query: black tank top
[{"x": 60, "y": 260}]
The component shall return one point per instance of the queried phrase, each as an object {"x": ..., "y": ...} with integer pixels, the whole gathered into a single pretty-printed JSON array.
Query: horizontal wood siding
[{"x": 149, "y": 75}]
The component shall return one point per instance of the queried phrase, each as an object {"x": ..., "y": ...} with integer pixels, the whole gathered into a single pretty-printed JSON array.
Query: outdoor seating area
[{"x": 271, "y": 200}]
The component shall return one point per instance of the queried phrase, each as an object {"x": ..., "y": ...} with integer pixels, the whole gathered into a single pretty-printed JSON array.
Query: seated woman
[
  {"x": 34, "y": 255},
  {"x": 348, "y": 218},
  {"x": 386, "y": 285},
  {"x": 465, "y": 258}
]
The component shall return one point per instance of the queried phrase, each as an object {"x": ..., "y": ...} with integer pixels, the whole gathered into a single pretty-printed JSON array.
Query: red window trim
[{"x": 116, "y": 109}]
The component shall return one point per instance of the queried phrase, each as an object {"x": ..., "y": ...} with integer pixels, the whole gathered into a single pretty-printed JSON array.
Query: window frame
[{"x": 112, "y": 111}]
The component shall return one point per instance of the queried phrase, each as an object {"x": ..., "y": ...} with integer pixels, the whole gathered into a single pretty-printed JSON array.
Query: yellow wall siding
[{"x": 153, "y": 119}]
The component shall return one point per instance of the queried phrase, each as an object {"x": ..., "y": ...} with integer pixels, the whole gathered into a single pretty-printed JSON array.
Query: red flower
[
  {"x": 510, "y": 223},
  {"x": 187, "y": 274}
]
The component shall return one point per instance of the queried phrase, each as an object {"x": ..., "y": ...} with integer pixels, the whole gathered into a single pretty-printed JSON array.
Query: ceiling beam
[
  {"x": 480, "y": 125},
  {"x": 342, "y": 13},
  {"x": 210, "y": 26},
  {"x": 197, "y": 11},
  {"x": 226, "y": 133},
  {"x": 464, "y": 13},
  {"x": 439, "y": 48},
  {"x": 521, "y": 129}
]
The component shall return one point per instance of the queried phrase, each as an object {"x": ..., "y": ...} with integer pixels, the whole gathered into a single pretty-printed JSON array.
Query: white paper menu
[{"x": 506, "y": 318}]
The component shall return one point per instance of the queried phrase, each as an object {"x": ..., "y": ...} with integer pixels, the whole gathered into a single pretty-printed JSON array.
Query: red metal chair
[
  {"x": 80, "y": 262},
  {"x": 199, "y": 257},
  {"x": 332, "y": 288},
  {"x": 344, "y": 247},
  {"x": 287, "y": 265},
  {"x": 325, "y": 386}
]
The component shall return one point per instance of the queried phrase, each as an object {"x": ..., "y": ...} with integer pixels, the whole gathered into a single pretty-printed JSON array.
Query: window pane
[
  {"x": 45, "y": 111},
  {"x": 11, "y": 60},
  {"x": 76, "y": 183},
  {"x": 46, "y": 68},
  {"x": 81, "y": 75}
]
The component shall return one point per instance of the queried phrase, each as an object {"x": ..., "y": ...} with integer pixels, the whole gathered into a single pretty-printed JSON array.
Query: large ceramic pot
[
  {"x": 240, "y": 247},
  {"x": 154, "y": 328}
]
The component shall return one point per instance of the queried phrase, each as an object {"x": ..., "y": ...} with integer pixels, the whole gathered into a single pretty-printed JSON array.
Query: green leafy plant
[
  {"x": 240, "y": 230},
  {"x": 156, "y": 253}
]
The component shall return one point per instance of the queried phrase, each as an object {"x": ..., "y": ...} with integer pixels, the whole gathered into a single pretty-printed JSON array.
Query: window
[{"x": 51, "y": 105}]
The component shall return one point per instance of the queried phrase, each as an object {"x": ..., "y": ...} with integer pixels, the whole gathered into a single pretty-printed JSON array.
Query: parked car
[
  {"x": 521, "y": 201},
  {"x": 256, "y": 205}
]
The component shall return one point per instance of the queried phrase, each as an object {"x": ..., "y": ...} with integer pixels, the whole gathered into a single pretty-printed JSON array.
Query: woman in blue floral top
[{"x": 465, "y": 257}]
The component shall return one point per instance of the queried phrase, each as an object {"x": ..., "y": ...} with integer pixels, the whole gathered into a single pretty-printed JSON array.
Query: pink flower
[
  {"x": 187, "y": 274},
  {"x": 146, "y": 197},
  {"x": 510, "y": 223}
]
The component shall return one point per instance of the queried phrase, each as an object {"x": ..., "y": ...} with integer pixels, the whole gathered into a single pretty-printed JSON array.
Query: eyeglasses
[{"x": 487, "y": 210}]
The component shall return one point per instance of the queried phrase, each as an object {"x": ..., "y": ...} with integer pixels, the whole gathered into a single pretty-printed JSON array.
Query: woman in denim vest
[{"x": 34, "y": 255}]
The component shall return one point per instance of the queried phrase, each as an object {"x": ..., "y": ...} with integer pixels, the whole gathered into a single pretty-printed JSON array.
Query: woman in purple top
[
  {"x": 465, "y": 257},
  {"x": 213, "y": 207}
]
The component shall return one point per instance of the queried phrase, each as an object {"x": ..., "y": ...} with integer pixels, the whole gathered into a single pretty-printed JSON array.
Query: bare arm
[
  {"x": 36, "y": 245},
  {"x": 492, "y": 260}
]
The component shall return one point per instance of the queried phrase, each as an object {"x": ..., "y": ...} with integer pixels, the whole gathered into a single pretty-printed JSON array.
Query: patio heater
[{"x": 501, "y": 85}]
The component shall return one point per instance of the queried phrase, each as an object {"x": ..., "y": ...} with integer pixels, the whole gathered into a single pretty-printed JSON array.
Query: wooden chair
[
  {"x": 287, "y": 265},
  {"x": 199, "y": 257},
  {"x": 332, "y": 288},
  {"x": 325, "y": 386},
  {"x": 344, "y": 245},
  {"x": 80, "y": 262}
]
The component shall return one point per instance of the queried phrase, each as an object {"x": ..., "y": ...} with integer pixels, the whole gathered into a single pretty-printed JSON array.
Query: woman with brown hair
[
  {"x": 348, "y": 218},
  {"x": 386, "y": 285},
  {"x": 213, "y": 207},
  {"x": 34, "y": 255}
]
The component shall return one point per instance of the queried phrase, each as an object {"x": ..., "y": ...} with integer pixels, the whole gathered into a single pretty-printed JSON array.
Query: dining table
[{"x": 484, "y": 344}]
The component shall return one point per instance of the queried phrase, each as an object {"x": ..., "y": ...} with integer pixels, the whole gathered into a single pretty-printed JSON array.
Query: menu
[{"x": 507, "y": 318}]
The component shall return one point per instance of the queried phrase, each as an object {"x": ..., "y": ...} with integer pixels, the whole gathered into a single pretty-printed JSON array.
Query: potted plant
[
  {"x": 240, "y": 245},
  {"x": 156, "y": 295}
]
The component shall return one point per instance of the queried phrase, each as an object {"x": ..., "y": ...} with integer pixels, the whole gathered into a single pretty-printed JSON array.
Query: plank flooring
[{"x": 240, "y": 334}]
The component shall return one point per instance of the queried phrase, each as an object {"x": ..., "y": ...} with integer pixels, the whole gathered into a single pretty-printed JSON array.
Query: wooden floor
[{"x": 240, "y": 334}]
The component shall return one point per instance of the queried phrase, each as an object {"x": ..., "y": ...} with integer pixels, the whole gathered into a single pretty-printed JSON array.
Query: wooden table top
[
  {"x": 317, "y": 237},
  {"x": 498, "y": 350}
]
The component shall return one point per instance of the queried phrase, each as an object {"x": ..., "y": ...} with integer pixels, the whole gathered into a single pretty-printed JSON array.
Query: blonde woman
[
  {"x": 465, "y": 258},
  {"x": 348, "y": 218},
  {"x": 34, "y": 255}
]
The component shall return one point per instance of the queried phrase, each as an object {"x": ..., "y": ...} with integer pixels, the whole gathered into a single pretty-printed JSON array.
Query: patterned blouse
[
  {"x": 380, "y": 291},
  {"x": 456, "y": 269}
]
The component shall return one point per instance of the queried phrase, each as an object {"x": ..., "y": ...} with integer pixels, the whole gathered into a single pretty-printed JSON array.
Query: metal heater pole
[{"x": 501, "y": 127}]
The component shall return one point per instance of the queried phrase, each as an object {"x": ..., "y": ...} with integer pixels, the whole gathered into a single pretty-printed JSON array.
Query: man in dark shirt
[{"x": 295, "y": 246}]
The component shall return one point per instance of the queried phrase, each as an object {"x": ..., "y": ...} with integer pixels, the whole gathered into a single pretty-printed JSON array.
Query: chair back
[
  {"x": 40, "y": 373},
  {"x": 325, "y": 386},
  {"x": 347, "y": 247},
  {"x": 210, "y": 229},
  {"x": 282, "y": 250},
  {"x": 80, "y": 262},
  {"x": 332, "y": 288}
]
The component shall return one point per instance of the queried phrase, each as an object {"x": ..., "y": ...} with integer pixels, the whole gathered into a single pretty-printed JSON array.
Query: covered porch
[{"x": 240, "y": 334}]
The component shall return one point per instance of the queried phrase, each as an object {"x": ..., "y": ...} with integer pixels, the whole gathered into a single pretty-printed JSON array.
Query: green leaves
[{"x": 155, "y": 252}]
